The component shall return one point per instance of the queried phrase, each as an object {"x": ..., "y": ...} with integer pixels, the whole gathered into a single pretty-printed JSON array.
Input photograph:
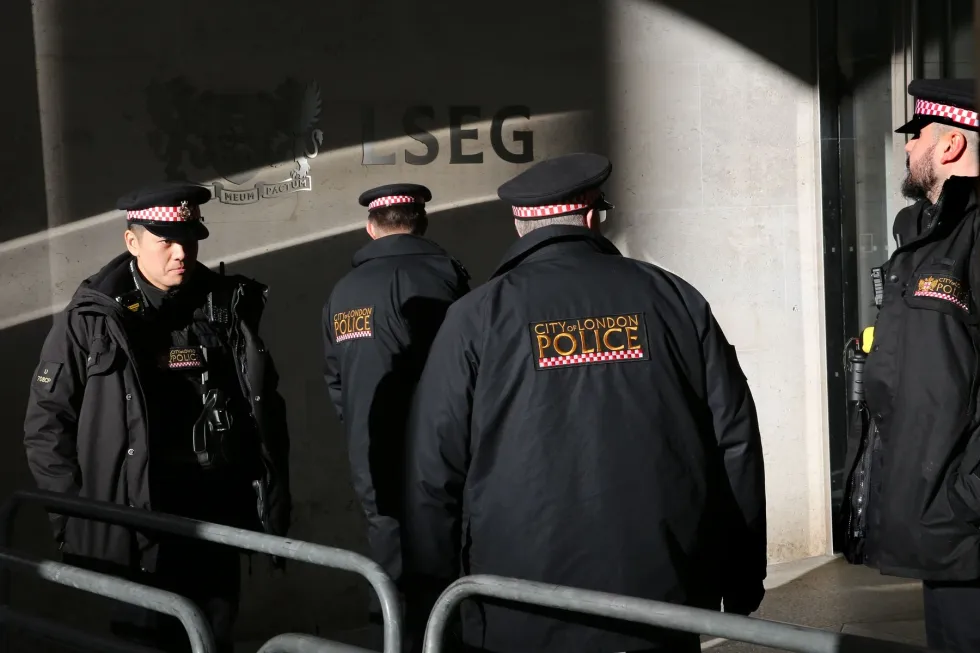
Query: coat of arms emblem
[
  {"x": 239, "y": 136},
  {"x": 928, "y": 284}
]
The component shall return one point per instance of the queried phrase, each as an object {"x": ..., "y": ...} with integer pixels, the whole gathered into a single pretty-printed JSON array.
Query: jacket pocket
[{"x": 958, "y": 506}]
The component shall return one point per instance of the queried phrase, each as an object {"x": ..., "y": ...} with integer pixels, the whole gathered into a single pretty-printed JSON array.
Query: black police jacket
[
  {"x": 920, "y": 381},
  {"x": 378, "y": 325},
  {"x": 87, "y": 428},
  {"x": 583, "y": 421}
]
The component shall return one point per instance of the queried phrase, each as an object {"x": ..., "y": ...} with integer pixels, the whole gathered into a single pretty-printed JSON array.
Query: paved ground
[{"x": 842, "y": 598}]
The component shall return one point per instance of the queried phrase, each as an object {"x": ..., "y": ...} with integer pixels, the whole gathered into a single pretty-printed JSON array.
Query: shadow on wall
[
  {"x": 186, "y": 93},
  {"x": 759, "y": 26},
  {"x": 166, "y": 90},
  {"x": 300, "y": 278},
  {"x": 23, "y": 208},
  {"x": 207, "y": 99}
]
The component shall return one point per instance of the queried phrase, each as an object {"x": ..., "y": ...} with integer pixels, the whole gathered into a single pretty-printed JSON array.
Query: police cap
[
  {"x": 558, "y": 186},
  {"x": 947, "y": 101},
  {"x": 169, "y": 210},
  {"x": 393, "y": 194}
]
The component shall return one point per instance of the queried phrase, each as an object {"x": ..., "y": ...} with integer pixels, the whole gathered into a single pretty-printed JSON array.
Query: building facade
[{"x": 752, "y": 147}]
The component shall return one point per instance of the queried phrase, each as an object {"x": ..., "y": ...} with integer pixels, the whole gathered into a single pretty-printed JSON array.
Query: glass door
[{"x": 873, "y": 57}]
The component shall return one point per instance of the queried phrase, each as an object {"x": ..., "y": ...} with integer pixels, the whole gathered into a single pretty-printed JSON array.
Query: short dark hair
[
  {"x": 137, "y": 229},
  {"x": 400, "y": 217},
  {"x": 577, "y": 219}
]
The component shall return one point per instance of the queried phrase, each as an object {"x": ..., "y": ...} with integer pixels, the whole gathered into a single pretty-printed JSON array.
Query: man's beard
[{"x": 920, "y": 182}]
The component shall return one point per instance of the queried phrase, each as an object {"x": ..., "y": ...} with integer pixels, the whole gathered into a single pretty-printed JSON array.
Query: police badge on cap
[
  {"x": 947, "y": 101},
  {"x": 169, "y": 210}
]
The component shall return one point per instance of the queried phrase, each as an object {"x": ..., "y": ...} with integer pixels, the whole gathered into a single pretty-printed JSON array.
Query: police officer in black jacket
[
  {"x": 378, "y": 325},
  {"x": 913, "y": 495},
  {"x": 583, "y": 421},
  {"x": 155, "y": 391}
]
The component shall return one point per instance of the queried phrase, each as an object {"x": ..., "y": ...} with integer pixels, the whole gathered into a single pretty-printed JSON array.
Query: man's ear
[
  {"x": 132, "y": 242},
  {"x": 955, "y": 147},
  {"x": 372, "y": 231}
]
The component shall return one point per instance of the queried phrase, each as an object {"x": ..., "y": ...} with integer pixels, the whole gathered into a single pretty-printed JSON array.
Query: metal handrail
[
  {"x": 70, "y": 636},
  {"x": 787, "y": 637},
  {"x": 282, "y": 547},
  {"x": 120, "y": 589},
  {"x": 299, "y": 643}
]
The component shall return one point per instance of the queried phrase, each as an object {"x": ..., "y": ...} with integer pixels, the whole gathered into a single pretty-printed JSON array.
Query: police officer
[
  {"x": 913, "y": 496},
  {"x": 378, "y": 325},
  {"x": 155, "y": 391},
  {"x": 582, "y": 421}
]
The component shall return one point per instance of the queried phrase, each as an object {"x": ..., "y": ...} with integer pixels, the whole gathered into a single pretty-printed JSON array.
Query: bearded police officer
[
  {"x": 582, "y": 421},
  {"x": 378, "y": 325},
  {"x": 913, "y": 501},
  {"x": 154, "y": 390}
]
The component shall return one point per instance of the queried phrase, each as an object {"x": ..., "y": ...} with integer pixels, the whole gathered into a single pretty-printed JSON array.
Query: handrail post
[
  {"x": 240, "y": 538},
  {"x": 120, "y": 589}
]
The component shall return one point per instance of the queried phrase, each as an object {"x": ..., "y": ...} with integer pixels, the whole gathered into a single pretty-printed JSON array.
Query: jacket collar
[
  {"x": 957, "y": 200},
  {"x": 116, "y": 278},
  {"x": 546, "y": 238},
  {"x": 396, "y": 245}
]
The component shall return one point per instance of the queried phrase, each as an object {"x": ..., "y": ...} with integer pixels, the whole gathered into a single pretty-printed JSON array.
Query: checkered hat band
[
  {"x": 393, "y": 199},
  {"x": 956, "y": 114},
  {"x": 577, "y": 204},
  {"x": 166, "y": 214}
]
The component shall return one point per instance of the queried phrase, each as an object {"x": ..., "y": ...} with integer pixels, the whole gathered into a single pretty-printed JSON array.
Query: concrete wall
[
  {"x": 717, "y": 179},
  {"x": 713, "y": 138}
]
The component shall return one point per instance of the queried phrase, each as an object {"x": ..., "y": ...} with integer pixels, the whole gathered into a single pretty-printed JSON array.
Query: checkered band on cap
[
  {"x": 166, "y": 214},
  {"x": 394, "y": 199},
  {"x": 956, "y": 114},
  {"x": 584, "y": 201}
]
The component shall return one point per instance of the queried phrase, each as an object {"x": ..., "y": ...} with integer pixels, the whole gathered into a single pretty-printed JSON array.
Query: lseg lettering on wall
[{"x": 520, "y": 150}]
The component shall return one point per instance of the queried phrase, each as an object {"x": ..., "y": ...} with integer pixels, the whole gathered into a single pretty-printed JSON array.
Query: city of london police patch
[
  {"x": 183, "y": 358},
  {"x": 589, "y": 340},
  {"x": 941, "y": 287},
  {"x": 355, "y": 323}
]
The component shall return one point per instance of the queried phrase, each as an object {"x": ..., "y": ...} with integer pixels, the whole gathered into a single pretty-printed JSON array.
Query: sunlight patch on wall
[{"x": 43, "y": 269}]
